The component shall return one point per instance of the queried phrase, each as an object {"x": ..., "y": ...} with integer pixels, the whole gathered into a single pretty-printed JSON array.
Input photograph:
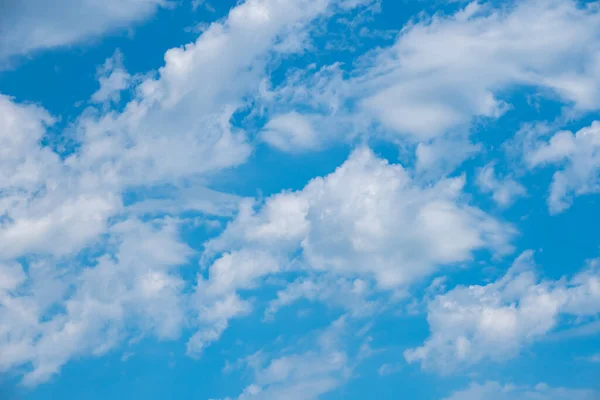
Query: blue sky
[{"x": 300, "y": 199}]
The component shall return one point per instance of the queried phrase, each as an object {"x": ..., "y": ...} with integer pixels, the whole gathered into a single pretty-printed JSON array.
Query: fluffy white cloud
[
  {"x": 369, "y": 218},
  {"x": 369, "y": 227},
  {"x": 366, "y": 224},
  {"x": 504, "y": 190},
  {"x": 470, "y": 324},
  {"x": 113, "y": 79},
  {"x": 131, "y": 289},
  {"x": 446, "y": 71},
  {"x": 178, "y": 124},
  {"x": 30, "y": 25},
  {"x": 496, "y": 391},
  {"x": 578, "y": 155},
  {"x": 45, "y": 207},
  {"x": 174, "y": 132}
]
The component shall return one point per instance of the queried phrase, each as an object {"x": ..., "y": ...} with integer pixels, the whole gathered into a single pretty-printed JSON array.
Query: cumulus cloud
[
  {"x": 578, "y": 157},
  {"x": 471, "y": 324},
  {"x": 89, "y": 272},
  {"x": 370, "y": 218},
  {"x": 445, "y": 71},
  {"x": 113, "y": 78},
  {"x": 46, "y": 207},
  {"x": 366, "y": 223},
  {"x": 497, "y": 391},
  {"x": 80, "y": 273},
  {"x": 178, "y": 124},
  {"x": 131, "y": 288}
]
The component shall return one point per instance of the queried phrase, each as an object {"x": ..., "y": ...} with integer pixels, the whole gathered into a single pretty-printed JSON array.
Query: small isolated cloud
[
  {"x": 290, "y": 132},
  {"x": 301, "y": 375},
  {"x": 504, "y": 190},
  {"x": 113, "y": 78},
  {"x": 389, "y": 369}
]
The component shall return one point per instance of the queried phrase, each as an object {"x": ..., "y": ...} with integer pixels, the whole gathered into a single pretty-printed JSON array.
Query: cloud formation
[
  {"x": 33, "y": 25},
  {"x": 368, "y": 222},
  {"x": 578, "y": 157},
  {"x": 494, "y": 322}
]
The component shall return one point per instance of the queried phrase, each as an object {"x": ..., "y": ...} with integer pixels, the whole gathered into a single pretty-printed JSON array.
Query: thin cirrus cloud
[
  {"x": 34, "y": 25},
  {"x": 296, "y": 374}
]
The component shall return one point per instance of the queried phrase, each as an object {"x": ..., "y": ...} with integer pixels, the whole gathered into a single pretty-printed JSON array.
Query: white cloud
[
  {"x": 46, "y": 208},
  {"x": 290, "y": 132},
  {"x": 32, "y": 25},
  {"x": 389, "y": 369},
  {"x": 170, "y": 132},
  {"x": 369, "y": 226},
  {"x": 350, "y": 294},
  {"x": 133, "y": 289},
  {"x": 447, "y": 71},
  {"x": 302, "y": 375},
  {"x": 369, "y": 218},
  {"x": 113, "y": 79},
  {"x": 504, "y": 190},
  {"x": 175, "y": 131},
  {"x": 496, "y": 391},
  {"x": 579, "y": 156},
  {"x": 216, "y": 299},
  {"x": 471, "y": 324},
  {"x": 366, "y": 226}
]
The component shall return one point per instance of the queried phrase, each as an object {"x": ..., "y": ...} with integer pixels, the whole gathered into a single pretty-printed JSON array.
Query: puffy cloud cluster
[
  {"x": 471, "y": 324},
  {"x": 444, "y": 72},
  {"x": 90, "y": 273},
  {"x": 578, "y": 157},
  {"x": 45, "y": 207},
  {"x": 49, "y": 313},
  {"x": 368, "y": 221},
  {"x": 80, "y": 271}
]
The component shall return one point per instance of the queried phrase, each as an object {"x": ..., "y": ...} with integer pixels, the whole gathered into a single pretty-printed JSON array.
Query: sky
[{"x": 300, "y": 199}]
